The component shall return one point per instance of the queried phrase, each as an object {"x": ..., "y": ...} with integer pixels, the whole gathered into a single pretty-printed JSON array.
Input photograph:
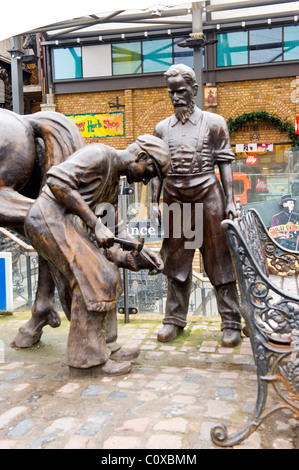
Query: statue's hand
[
  {"x": 104, "y": 237},
  {"x": 155, "y": 214},
  {"x": 230, "y": 210},
  {"x": 154, "y": 257}
]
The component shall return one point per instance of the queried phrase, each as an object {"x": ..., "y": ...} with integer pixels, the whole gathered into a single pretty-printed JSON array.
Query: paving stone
[
  {"x": 225, "y": 392},
  {"x": 164, "y": 441},
  {"x": 172, "y": 425},
  {"x": 135, "y": 425},
  {"x": 207, "y": 349},
  {"x": 216, "y": 409},
  {"x": 118, "y": 394},
  {"x": 193, "y": 378},
  {"x": 174, "y": 411},
  {"x": 68, "y": 388},
  {"x": 226, "y": 350},
  {"x": 11, "y": 414},
  {"x": 7, "y": 444},
  {"x": 22, "y": 387},
  {"x": 157, "y": 384},
  {"x": 14, "y": 375},
  {"x": 11, "y": 365},
  {"x": 184, "y": 399},
  {"x": 229, "y": 375},
  {"x": 121, "y": 442},
  {"x": 282, "y": 444},
  {"x": 154, "y": 355},
  {"x": 21, "y": 428},
  {"x": 170, "y": 400},
  {"x": 77, "y": 442},
  {"x": 41, "y": 442},
  {"x": 92, "y": 390},
  {"x": 205, "y": 431},
  {"x": 147, "y": 396},
  {"x": 94, "y": 423},
  {"x": 60, "y": 425},
  {"x": 34, "y": 398}
]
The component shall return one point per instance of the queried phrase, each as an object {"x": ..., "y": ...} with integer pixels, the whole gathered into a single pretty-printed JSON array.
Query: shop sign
[
  {"x": 297, "y": 125},
  {"x": 261, "y": 185},
  {"x": 251, "y": 159},
  {"x": 263, "y": 147},
  {"x": 99, "y": 125}
]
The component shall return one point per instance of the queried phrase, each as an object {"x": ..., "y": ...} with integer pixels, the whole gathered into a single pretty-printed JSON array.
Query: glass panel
[
  {"x": 291, "y": 42},
  {"x": 67, "y": 63},
  {"x": 96, "y": 60},
  {"x": 182, "y": 55},
  {"x": 157, "y": 55},
  {"x": 265, "y": 45},
  {"x": 126, "y": 58},
  {"x": 232, "y": 49}
]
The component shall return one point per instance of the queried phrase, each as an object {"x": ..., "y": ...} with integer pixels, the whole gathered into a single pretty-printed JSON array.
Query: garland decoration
[{"x": 283, "y": 126}]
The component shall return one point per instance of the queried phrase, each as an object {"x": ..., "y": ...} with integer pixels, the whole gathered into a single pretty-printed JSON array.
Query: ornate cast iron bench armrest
[
  {"x": 281, "y": 260},
  {"x": 271, "y": 317}
]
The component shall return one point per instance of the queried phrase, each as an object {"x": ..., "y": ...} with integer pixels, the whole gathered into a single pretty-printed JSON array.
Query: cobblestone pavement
[{"x": 171, "y": 399}]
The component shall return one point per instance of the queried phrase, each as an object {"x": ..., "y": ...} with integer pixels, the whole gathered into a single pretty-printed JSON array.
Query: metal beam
[
  {"x": 248, "y": 4},
  {"x": 198, "y": 29},
  {"x": 16, "y": 75}
]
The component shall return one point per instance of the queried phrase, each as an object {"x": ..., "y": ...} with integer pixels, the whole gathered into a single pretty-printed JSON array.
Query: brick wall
[
  {"x": 273, "y": 96},
  {"x": 144, "y": 108}
]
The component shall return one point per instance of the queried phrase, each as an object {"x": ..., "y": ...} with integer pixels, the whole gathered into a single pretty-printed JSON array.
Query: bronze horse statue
[{"x": 29, "y": 146}]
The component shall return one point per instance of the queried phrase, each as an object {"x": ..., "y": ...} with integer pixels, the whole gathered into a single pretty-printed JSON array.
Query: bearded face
[
  {"x": 182, "y": 95},
  {"x": 182, "y": 112}
]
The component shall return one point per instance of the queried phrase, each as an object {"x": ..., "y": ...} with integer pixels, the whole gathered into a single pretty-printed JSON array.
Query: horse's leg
[
  {"x": 43, "y": 310},
  {"x": 13, "y": 210},
  {"x": 13, "y": 207}
]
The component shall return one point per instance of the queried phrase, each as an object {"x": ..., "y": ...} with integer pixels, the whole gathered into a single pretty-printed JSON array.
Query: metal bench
[{"x": 271, "y": 318}]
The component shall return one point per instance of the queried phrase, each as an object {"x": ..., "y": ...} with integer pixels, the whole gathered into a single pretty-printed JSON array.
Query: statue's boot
[
  {"x": 168, "y": 333},
  {"x": 121, "y": 354},
  {"x": 229, "y": 310},
  {"x": 117, "y": 353}
]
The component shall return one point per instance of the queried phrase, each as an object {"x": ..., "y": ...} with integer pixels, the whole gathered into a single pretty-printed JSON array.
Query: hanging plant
[{"x": 283, "y": 126}]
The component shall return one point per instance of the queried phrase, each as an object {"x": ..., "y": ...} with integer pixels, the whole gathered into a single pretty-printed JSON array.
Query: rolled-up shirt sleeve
[{"x": 222, "y": 151}]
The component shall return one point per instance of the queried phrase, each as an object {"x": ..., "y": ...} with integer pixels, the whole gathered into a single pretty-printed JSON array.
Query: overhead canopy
[{"x": 58, "y": 18}]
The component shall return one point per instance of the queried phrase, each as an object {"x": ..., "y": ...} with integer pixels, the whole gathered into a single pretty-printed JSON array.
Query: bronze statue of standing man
[{"x": 197, "y": 141}]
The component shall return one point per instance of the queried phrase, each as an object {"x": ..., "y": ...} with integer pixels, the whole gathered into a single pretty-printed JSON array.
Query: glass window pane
[
  {"x": 291, "y": 42},
  {"x": 182, "y": 55},
  {"x": 126, "y": 58},
  {"x": 232, "y": 49},
  {"x": 157, "y": 55},
  {"x": 265, "y": 45},
  {"x": 96, "y": 60},
  {"x": 67, "y": 63}
]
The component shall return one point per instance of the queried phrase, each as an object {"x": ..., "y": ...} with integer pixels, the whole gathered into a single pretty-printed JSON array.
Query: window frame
[{"x": 255, "y": 64}]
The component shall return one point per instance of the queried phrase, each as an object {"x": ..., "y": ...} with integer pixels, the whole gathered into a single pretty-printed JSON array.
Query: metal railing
[
  {"x": 143, "y": 294},
  {"x": 24, "y": 268}
]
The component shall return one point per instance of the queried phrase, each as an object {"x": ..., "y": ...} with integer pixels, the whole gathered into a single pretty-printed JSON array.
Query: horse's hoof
[{"x": 26, "y": 339}]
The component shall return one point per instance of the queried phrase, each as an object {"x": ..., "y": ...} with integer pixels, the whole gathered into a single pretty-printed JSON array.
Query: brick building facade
[{"x": 144, "y": 108}]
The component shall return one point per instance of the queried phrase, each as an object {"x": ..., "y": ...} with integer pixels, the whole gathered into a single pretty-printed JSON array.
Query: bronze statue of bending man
[{"x": 83, "y": 258}]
